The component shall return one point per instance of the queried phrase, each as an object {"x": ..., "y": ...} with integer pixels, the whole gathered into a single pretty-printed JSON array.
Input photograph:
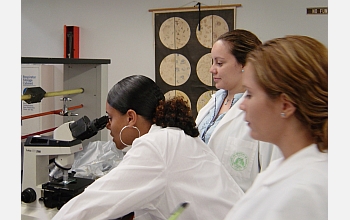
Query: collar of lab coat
[
  {"x": 234, "y": 111},
  {"x": 155, "y": 128},
  {"x": 282, "y": 169}
]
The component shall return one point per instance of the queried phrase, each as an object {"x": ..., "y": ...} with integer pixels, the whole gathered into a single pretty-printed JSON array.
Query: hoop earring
[{"x": 120, "y": 133}]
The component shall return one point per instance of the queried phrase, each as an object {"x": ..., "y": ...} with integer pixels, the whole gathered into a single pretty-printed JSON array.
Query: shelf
[{"x": 45, "y": 60}]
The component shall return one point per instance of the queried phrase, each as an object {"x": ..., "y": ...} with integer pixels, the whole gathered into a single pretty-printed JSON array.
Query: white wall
[{"x": 123, "y": 30}]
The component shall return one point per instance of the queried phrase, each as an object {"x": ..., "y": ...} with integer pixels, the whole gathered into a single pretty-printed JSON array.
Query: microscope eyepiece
[
  {"x": 83, "y": 129},
  {"x": 100, "y": 123}
]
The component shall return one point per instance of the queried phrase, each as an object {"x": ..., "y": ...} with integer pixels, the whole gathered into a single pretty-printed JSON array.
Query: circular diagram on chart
[
  {"x": 204, "y": 98},
  {"x": 172, "y": 93},
  {"x": 174, "y": 33},
  {"x": 203, "y": 70},
  {"x": 175, "y": 69},
  {"x": 212, "y": 26}
]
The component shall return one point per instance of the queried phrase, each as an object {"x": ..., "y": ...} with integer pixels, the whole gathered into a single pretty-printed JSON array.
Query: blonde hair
[{"x": 298, "y": 67}]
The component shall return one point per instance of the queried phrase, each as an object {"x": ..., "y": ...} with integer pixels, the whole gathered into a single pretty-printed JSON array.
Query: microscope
[{"x": 40, "y": 185}]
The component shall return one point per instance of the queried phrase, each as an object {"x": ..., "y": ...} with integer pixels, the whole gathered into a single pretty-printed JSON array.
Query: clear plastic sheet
[{"x": 96, "y": 159}]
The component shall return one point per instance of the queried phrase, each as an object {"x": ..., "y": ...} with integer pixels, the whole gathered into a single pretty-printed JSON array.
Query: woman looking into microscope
[{"x": 168, "y": 163}]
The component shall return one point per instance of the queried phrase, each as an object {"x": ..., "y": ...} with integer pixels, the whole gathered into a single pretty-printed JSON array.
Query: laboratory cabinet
[
  {"x": 89, "y": 76},
  {"x": 37, "y": 75}
]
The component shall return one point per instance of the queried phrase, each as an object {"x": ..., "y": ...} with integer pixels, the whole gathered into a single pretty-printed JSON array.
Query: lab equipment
[{"x": 40, "y": 184}]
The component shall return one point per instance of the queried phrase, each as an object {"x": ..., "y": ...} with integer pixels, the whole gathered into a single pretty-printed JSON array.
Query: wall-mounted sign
[{"x": 322, "y": 10}]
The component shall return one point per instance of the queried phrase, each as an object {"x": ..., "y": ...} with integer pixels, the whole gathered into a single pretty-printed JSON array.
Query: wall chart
[{"x": 183, "y": 40}]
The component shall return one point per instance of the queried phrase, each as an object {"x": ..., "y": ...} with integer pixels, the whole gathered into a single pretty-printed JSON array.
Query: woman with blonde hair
[{"x": 287, "y": 104}]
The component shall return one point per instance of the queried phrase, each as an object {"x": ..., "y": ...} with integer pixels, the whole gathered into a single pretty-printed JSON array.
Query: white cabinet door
[{"x": 37, "y": 75}]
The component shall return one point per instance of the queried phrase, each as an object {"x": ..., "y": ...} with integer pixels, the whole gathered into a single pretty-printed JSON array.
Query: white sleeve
[{"x": 137, "y": 180}]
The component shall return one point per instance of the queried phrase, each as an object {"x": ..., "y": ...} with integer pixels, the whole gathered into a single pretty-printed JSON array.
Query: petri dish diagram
[
  {"x": 212, "y": 26},
  {"x": 174, "y": 33},
  {"x": 203, "y": 70},
  {"x": 204, "y": 98},
  {"x": 175, "y": 69}
]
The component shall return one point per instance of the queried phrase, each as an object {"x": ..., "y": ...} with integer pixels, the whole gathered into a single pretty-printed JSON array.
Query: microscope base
[{"x": 56, "y": 194}]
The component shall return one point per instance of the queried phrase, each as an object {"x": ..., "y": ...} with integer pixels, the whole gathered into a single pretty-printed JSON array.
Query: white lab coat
[
  {"x": 162, "y": 169},
  {"x": 238, "y": 152},
  {"x": 296, "y": 188}
]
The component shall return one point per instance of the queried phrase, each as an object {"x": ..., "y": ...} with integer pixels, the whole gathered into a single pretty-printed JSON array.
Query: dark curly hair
[
  {"x": 175, "y": 112},
  {"x": 143, "y": 95}
]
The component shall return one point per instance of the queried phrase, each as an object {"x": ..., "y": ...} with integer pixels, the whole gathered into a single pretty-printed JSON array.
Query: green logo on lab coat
[{"x": 239, "y": 161}]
